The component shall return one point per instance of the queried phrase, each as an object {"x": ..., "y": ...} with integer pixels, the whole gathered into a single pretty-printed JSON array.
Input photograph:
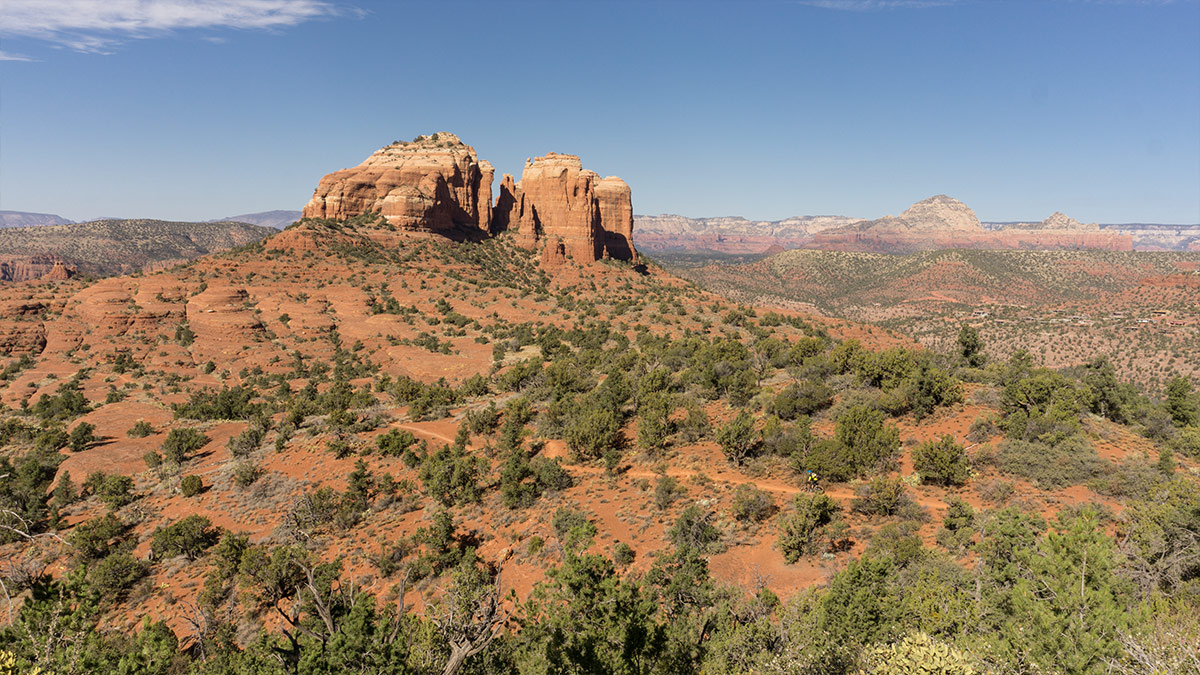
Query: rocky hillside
[
  {"x": 358, "y": 447},
  {"x": 1066, "y": 306},
  {"x": 105, "y": 247}
]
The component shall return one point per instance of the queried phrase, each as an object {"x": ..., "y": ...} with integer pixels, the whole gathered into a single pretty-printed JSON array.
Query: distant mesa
[
  {"x": 937, "y": 214},
  {"x": 1058, "y": 221},
  {"x": 942, "y": 222},
  {"x": 29, "y": 219},
  {"x": 436, "y": 184}
]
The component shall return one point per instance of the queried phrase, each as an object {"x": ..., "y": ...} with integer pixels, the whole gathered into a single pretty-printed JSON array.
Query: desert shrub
[
  {"x": 942, "y": 462},
  {"x": 802, "y": 398},
  {"x": 189, "y": 537},
  {"x": 243, "y": 444},
  {"x": 1181, "y": 403},
  {"x": 806, "y": 528},
  {"x": 928, "y": 388},
  {"x": 113, "y": 576},
  {"x": 246, "y": 473},
  {"x": 982, "y": 429},
  {"x": 751, "y": 504},
  {"x": 66, "y": 404},
  {"x": 654, "y": 423},
  {"x": 623, "y": 554},
  {"x": 227, "y": 403},
  {"x": 51, "y": 440},
  {"x": 395, "y": 442},
  {"x": 1159, "y": 536},
  {"x": 1071, "y": 462},
  {"x": 93, "y": 539},
  {"x": 958, "y": 526},
  {"x": 737, "y": 438},
  {"x": 451, "y": 475},
  {"x": 862, "y": 442},
  {"x": 883, "y": 496},
  {"x": 591, "y": 430},
  {"x": 899, "y": 542},
  {"x": 1103, "y": 394},
  {"x": 484, "y": 421},
  {"x": 340, "y": 447},
  {"x": 970, "y": 347},
  {"x": 184, "y": 335},
  {"x": 694, "y": 530},
  {"x": 695, "y": 425},
  {"x": 997, "y": 491},
  {"x": 82, "y": 437},
  {"x": 140, "y": 429},
  {"x": 523, "y": 480},
  {"x": 191, "y": 485},
  {"x": 153, "y": 459},
  {"x": 666, "y": 491},
  {"x": 114, "y": 490},
  {"x": 787, "y": 440},
  {"x": 1187, "y": 442},
  {"x": 1135, "y": 477},
  {"x": 1043, "y": 406},
  {"x": 572, "y": 528},
  {"x": 181, "y": 443}
]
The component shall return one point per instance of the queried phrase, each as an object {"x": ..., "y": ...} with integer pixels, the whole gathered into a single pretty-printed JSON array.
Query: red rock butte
[{"x": 437, "y": 184}]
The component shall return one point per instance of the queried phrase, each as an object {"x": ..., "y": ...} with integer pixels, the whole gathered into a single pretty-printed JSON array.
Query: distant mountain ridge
[
  {"x": 942, "y": 222},
  {"x": 105, "y": 247},
  {"x": 729, "y": 234},
  {"x": 277, "y": 219},
  {"x": 30, "y": 219}
]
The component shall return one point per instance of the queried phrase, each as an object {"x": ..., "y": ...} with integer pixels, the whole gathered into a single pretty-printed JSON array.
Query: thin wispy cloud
[
  {"x": 99, "y": 25},
  {"x": 6, "y": 56}
]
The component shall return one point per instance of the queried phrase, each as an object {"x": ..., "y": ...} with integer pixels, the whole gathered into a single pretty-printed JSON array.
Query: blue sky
[{"x": 197, "y": 109}]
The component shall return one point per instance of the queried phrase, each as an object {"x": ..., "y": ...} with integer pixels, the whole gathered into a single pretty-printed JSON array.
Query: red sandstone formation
[
  {"x": 25, "y": 268},
  {"x": 437, "y": 184},
  {"x": 560, "y": 202},
  {"x": 433, "y": 184}
]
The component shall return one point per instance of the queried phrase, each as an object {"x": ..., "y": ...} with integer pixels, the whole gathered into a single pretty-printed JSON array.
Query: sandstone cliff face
[
  {"x": 436, "y": 184},
  {"x": 433, "y": 184},
  {"x": 19, "y": 268},
  {"x": 560, "y": 202},
  {"x": 616, "y": 217}
]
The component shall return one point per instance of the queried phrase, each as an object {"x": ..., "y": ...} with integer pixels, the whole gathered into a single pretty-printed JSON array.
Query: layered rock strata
[
  {"x": 437, "y": 184},
  {"x": 433, "y": 184},
  {"x": 560, "y": 202}
]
